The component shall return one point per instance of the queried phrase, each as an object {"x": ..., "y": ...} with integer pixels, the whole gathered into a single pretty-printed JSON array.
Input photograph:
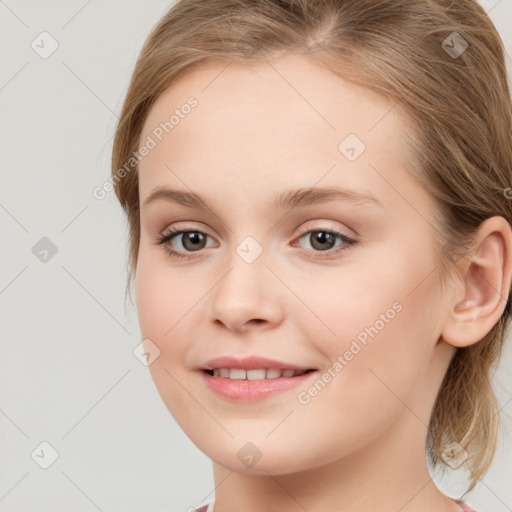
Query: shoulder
[
  {"x": 465, "y": 507},
  {"x": 205, "y": 508}
]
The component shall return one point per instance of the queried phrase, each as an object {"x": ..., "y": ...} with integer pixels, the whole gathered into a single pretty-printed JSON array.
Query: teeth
[
  {"x": 237, "y": 374},
  {"x": 257, "y": 374},
  {"x": 273, "y": 373}
]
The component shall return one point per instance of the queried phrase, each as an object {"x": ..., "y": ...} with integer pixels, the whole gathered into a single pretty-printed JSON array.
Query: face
[{"x": 337, "y": 285}]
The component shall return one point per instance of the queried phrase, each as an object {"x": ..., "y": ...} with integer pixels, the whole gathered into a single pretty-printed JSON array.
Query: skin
[{"x": 359, "y": 444}]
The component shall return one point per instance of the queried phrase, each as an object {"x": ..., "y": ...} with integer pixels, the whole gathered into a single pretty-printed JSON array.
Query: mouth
[
  {"x": 242, "y": 385},
  {"x": 256, "y": 373}
]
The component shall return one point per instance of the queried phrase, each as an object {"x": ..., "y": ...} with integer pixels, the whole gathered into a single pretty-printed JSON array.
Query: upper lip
[{"x": 250, "y": 363}]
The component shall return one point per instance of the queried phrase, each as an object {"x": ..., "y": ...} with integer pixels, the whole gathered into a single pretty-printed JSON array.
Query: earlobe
[{"x": 486, "y": 279}]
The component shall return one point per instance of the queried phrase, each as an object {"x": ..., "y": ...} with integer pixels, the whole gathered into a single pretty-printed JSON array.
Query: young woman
[{"x": 320, "y": 235}]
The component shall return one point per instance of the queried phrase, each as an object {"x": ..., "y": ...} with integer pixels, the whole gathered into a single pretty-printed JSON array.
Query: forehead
[
  {"x": 281, "y": 91},
  {"x": 285, "y": 121}
]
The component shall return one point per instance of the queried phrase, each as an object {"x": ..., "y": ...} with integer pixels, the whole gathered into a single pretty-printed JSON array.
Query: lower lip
[{"x": 250, "y": 390}]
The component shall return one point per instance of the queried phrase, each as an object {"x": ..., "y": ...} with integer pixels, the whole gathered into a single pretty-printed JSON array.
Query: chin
[
  {"x": 259, "y": 458},
  {"x": 273, "y": 467}
]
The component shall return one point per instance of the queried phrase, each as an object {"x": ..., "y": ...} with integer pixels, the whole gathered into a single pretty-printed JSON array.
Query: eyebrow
[{"x": 286, "y": 200}]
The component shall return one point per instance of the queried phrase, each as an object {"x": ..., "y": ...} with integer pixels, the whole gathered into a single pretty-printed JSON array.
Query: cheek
[
  {"x": 163, "y": 303},
  {"x": 162, "y": 309},
  {"x": 376, "y": 326},
  {"x": 384, "y": 296},
  {"x": 375, "y": 380}
]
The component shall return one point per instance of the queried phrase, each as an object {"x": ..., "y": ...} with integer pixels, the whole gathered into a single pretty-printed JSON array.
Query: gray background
[{"x": 68, "y": 373}]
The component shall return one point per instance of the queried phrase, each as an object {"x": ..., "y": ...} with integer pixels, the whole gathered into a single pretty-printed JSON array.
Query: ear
[{"x": 481, "y": 295}]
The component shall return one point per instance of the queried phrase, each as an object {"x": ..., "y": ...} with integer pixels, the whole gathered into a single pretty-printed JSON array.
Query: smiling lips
[
  {"x": 255, "y": 374},
  {"x": 252, "y": 378}
]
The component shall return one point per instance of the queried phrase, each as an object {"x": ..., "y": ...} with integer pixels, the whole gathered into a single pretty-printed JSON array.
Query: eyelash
[{"x": 170, "y": 233}]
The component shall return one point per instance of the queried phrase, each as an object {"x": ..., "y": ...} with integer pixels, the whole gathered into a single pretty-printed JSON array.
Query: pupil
[
  {"x": 324, "y": 238},
  {"x": 195, "y": 239}
]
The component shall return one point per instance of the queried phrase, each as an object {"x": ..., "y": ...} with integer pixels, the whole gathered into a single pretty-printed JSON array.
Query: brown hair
[{"x": 460, "y": 139}]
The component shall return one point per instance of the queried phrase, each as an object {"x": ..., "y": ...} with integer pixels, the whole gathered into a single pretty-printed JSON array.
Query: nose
[{"x": 247, "y": 296}]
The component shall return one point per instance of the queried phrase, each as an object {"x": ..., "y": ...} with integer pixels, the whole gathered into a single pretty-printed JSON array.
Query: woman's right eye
[{"x": 190, "y": 240}]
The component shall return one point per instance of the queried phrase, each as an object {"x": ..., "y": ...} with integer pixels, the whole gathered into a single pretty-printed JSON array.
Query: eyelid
[
  {"x": 183, "y": 226},
  {"x": 311, "y": 225}
]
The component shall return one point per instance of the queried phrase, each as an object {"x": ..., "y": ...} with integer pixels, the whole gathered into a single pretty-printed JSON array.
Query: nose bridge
[
  {"x": 247, "y": 291},
  {"x": 245, "y": 281}
]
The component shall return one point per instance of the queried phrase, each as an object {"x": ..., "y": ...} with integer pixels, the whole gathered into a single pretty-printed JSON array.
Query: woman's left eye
[{"x": 321, "y": 241}]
